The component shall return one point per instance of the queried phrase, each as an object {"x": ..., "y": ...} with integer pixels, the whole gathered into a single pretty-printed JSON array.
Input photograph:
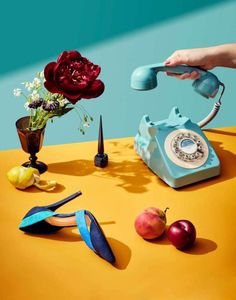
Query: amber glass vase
[{"x": 31, "y": 142}]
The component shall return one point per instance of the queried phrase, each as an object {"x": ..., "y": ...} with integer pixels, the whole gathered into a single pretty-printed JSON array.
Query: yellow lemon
[{"x": 22, "y": 177}]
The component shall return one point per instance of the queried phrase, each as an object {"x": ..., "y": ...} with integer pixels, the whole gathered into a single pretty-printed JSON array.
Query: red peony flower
[{"x": 74, "y": 77}]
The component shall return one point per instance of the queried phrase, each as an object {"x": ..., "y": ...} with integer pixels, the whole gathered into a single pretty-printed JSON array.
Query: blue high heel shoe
[{"x": 44, "y": 220}]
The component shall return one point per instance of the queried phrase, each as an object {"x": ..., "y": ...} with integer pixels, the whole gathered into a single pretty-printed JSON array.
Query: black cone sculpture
[{"x": 101, "y": 158}]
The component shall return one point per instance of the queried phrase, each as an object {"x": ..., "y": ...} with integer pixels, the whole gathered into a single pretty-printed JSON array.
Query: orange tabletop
[{"x": 61, "y": 266}]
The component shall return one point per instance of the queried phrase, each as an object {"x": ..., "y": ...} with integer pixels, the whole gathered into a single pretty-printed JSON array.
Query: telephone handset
[
  {"x": 145, "y": 78},
  {"x": 175, "y": 148}
]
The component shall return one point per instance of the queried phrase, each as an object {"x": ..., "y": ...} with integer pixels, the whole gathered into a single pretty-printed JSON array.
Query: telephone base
[
  {"x": 193, "y": 178},
  {"x": 176, "y": 150}
]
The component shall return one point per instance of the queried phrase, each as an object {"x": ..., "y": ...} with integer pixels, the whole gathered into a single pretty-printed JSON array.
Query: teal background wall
[{"x": 119, "y": 36}]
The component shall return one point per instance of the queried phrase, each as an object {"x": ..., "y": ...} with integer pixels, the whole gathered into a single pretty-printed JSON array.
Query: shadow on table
[
  {"x": 162, "y": 240},
  {"x": 121, "y": 251},
  {"x": 219, "y": 131},
  {"x": 64, "y": 235},
  {"x": 132, "y": 175},
  {"x": 200, "y": 247}
]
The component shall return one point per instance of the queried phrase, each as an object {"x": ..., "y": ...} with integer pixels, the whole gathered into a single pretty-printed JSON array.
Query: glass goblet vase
[{"x": 31, "y": 142}]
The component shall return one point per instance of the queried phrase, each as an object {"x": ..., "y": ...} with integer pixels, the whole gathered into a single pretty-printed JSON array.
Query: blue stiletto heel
[
  {"x": 94, "y": 237},
  {"x": 39, "y": 220},
  {"x": 34, "y": 220}
]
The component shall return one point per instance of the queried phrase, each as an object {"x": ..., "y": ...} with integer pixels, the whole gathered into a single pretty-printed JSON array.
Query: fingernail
[{"x": 167, "y": 62}]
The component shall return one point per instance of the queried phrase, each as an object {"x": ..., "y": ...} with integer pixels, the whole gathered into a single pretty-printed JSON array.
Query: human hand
[{"x": 200, "y": 57}]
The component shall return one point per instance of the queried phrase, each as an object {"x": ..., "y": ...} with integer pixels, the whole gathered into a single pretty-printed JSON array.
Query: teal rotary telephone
[{"x": 176, "y": 149}]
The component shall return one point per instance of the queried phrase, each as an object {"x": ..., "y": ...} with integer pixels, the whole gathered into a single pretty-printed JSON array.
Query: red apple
[
  {"x": 182, "y": 234},
  {"x": 151, "y": 223}
]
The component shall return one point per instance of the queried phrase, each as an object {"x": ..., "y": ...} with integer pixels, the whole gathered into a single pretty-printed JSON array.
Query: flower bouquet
[
  {"x": 53, "y": 93},
  {"x": 63, "y": 83}
]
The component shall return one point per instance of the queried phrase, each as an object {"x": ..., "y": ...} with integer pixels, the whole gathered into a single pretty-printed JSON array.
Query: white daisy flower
[
  {"x": 63, "y": 102},
  {"x": 17, "y": 92},
  {"x": 41, "y": 74},
  {"x": 26, "y": 105},
  {"x": 86, "y": 125},
  {"x": 36, "y": 83},
  {"x": 29, "y": 85},
  {"x": 34, "y": 95}
]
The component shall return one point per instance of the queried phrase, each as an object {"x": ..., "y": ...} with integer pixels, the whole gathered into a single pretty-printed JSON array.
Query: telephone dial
[{"x": 176, "y": 149}]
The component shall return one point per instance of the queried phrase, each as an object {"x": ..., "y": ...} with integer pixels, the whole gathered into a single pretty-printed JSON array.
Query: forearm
[{"x": 223, "y": 55}]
